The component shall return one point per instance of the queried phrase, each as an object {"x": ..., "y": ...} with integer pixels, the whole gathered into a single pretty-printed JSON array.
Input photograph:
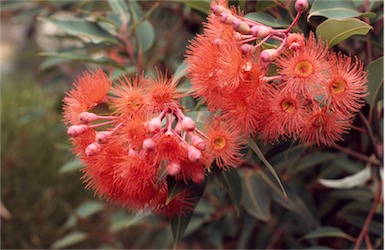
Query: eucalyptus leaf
[
  {"x": 336, "y": 9},
  {"x": 358, "y": 179},
  {"x": 180, "y": 223},
  {"x": 120, "y": 7},
  {"x": 375, "y": 81},
  {"x": 232, "y": 182},
  {"x": 327, "y": 232},
  {"x": 146, "y": 35},
  {"x": 335, "y": 31},
  {"x": 71, "y": 166},
  {"x": 253, "y": 145},
  {"x": 266, "y": 19},
  {"x": 83, "y": 29},
  {"x": 70, "y": 239},
  {"x": 200, "y": 5},
  {"x": 255, "y": 198}
]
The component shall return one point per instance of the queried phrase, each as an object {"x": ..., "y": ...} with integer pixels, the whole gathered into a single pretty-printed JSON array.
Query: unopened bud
[
  {"x": 219, "y": 9},
  {"x": 198, "y": 177},
  {"x": 227, "y": 18},
  {"x": 93, "y": 149},
  {"x": 102, "y": 136},
  {"x": 132, "y": 152},
  {"x": 154, "y": 125},
  {"x": 194, "y": 155},
  {"x": 269, "y": 55},
  {"x": 241, "y": 27},
  {"x": 76, "y": 130},
  {"x": 148, "y": 144},
  {"x": 178, "y": 128},
  {"x": 188, "y": 124},
  {"x": 246, "y": 48},
  {"x": 173, "y": 168},
  {"x": 198, "y": 142},
  {"x": 87, "y": 117},
  {"x": 260, "y": 31},
  {"x": 301, "y": 5}
]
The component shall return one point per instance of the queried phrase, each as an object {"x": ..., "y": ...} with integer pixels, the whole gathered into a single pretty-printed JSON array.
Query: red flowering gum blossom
[{"x": 89, "y": 90}]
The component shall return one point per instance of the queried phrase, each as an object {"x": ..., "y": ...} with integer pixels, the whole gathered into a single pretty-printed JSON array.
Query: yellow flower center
[
  {"x": 288, "y": 106},
  {"x": 338, "y": 86},
  {"x": 219, "y": 142},
  {"x": 303, "y": 68},
  {"x": 135, "y": 103}
]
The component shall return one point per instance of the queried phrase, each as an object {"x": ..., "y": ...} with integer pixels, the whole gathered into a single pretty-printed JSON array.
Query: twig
[
  {"x": 371, "y": 135},
  {"x": 357, "y": 155},
  {"x": 367, "y": 241},
  {"x": 365, "y": 228}
]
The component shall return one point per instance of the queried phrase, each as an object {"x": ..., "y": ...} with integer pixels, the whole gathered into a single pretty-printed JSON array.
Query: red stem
[{"x": 365, "y": 228}]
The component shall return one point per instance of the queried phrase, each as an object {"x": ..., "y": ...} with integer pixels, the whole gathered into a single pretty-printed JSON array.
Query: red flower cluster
[
  {"x": 148, "y": 138},
  {"x": 312, "y": 97}
]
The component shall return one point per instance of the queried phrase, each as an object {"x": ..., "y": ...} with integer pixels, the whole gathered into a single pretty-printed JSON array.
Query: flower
[
  {"x": 89, "y": 90},
  {"x": 347, "y": 86},
  {"x": 324, "y": 126},
  {"x": 161, "y": 93},
  {"x": 129, "y": 98},
  {"x": 283, "y": 114},
  {"x": 305, "y": 69},
  {"x": 223, "y": 143}
]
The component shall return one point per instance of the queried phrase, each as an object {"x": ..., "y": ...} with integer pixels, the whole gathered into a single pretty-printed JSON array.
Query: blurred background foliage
[{"x": 333, "y": 192}]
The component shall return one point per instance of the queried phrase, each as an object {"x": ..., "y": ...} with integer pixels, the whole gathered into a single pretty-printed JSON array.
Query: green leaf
[
  {"x": 266, "y": 19},
  {"x": 120, "y": 7},
  {"x": 69, "y": 56},
  {"x": 357, "y": 179},
  {"x": 251, "y": 143},
  {"x": 375, "y": 227},
  {"x": 180, "y": 72},
  {"x": 255, "y": 198},
  {"x": 335, "y": 31},
  {"x": 71, "y": 166},
  {"x": 232, "y": 182},
  {"x": 146, "y": 35},
  {"x": 375, "y": 81},
  {"x": 85, "y": 210},
  {"x": 83, "y": 29},
  {"x": 70, "y": 239},
  {"x": 313, "y": 160},
  {"x": 336, "y": 9},
  {"x": 200, "y": 5},
  {"x": 180, "y": 223},
  {"x": 327, "y": 232}
]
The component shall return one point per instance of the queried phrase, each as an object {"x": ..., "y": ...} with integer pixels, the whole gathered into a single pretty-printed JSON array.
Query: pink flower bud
[
  {"x": 246, "y": 48},
  {"x": 154, "y": 125},
  {"x": 178, "y": 128},
  {"x": 132, "y": 152},
  {"x": 188, "y": 124},
  {"x": 173, "y": 168},
  {"x": 194, "y": 155},
  {"x": 241, "y": 27},
  {"x": 198, "y": 177},
  {"x": 301, "y": 5},
  {"x": 198, "y": 142},
  {"x": 76, "y": 130},
  {"x": 227, "y": 18},
  {"x": 260, "y": 31},
  {"x": 87, "y": 117},
  {"x": 218, "y": 9},
  {"x": 148, "y": 144},
  {"x": 93, "y": 149},
  {"x": 269, "y": 55},
  {"x": 103, "y": 136}
]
